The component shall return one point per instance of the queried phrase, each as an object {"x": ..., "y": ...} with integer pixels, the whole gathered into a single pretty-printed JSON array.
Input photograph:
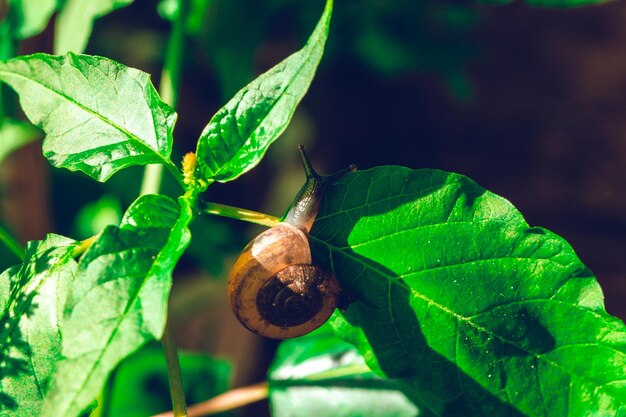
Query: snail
[{"x": 274, "y": 287}]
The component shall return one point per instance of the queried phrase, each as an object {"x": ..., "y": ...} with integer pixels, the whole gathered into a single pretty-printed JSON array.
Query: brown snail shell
[
  {"x": 274, "y": 287},
  {"x": 277, "y": 293}
]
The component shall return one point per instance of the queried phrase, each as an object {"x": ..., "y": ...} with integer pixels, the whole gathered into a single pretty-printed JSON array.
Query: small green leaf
[
  {"x": 484, "y": 314},
  {"x": 32, "y": 296},
  {"x": 30, "y": 17},
  {"x": 74, "y": 23},
  {"x": 119, "y": 299},
  {"x": 98, "y": 115},
  {"x": 320, "y": 375},
  {"x": 239, "y": 134},
  {"x": 14, "y": 134}
]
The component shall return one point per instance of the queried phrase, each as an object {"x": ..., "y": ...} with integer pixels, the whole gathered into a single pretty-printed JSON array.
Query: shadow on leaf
[
  {"x": 454, "y": 366},
  {"x": 14, "y": 350}
]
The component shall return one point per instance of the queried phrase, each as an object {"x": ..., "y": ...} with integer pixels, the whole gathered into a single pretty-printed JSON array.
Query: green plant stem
[
  {"x": 247, "y": 395},
  {"x": 172, "y": 70},
  {"x": 179, "y": 406},
  {"x": 239, "y": 214},
  {"x": 168, "y": 90},
  {"x": 228, "y": 401},
  {"x": 8, "y": 47},
  {"x": 11, "y": 243},
  {"x": 4, "y": 54},
  {"x": 151, "y": 179}
]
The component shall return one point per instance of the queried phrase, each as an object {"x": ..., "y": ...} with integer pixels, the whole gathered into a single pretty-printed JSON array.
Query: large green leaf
[
  {"x": 99, "y": 116},
  {"x": 239, "y": 134},
  {"x": 30, "y": 17},
  {"x": 32, "y": 296},
  {"x": 14, "y": 134},
  {"x": 74, "y": 23},
  {"x": 454, "y": 291},
  {"x": 325, "y": 376},
  {"x": 119, "y": 299}
]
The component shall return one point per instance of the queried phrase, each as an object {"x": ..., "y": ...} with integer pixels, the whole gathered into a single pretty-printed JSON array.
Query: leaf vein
[
  {"x": 465, "y": 319},
  {"x": 94, "y": 114}
]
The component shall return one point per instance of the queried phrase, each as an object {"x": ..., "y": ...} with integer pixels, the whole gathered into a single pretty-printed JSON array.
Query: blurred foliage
[
  {"x": 29, "y": 17},
  {"x": 390, "y": 37},
  {"x": 7, "y": 258},
  {"x": 210, "y": 235},
  {"x": 14, "y": 134},
  {"x": 95, "y": 216},
  {"x": 74, "y": 23},
  {"x": 139, "y": 386}
]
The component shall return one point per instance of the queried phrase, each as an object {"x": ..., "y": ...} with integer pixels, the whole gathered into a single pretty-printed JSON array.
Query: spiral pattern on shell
[
  {"x": 277, "y": 293},
  {"x": 294, "y": 295}
]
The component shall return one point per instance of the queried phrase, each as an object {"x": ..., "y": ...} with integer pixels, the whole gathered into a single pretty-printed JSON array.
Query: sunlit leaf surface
[
  {"x": 99, "y": 116},
  {"x": 239, "y": 134},
  {"x": 453, "y": 290},
  {"x": 118, "y": 301},
  {"x": 32, "y": 296}
]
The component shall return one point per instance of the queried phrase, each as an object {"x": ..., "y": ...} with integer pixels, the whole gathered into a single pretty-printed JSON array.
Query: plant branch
[
  {"x": 247, "y": 395},
  {"x": 171, "y": 74},
  {"x": 239, "y": 214},
  {"x": 4, "y": 54},
  {"x": 11, "y": 243},
  {"x": 179, "y": 405},
  {"x": 228, "y": 401},
  {"x": 151, "y": 179},
  {"x": 168, "y": 90},
  {"x": 8, "y": 47}
]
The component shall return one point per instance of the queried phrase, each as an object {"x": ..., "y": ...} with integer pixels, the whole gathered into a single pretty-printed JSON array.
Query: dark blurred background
[{"x": 529, "y": 102}]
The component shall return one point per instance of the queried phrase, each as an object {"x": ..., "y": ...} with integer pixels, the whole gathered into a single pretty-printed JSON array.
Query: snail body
[{"x": 274, "y": 287}]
